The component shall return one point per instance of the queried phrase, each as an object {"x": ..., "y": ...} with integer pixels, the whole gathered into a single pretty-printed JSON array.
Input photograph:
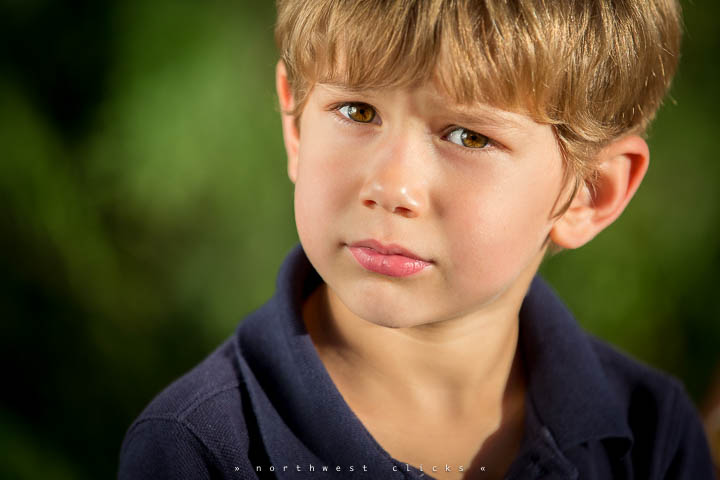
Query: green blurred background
[{"x": 145, "y": 209}]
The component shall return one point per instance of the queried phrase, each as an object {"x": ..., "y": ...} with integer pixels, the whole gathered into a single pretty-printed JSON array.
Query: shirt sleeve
[
  {"x": 691, "y": 459},
  {"x": 163, "y": 449}
]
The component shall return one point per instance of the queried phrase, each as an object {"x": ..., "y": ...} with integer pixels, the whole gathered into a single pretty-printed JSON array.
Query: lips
[
  {"x": 392, "y": 260},
  {"x": 391, "y": 249}
]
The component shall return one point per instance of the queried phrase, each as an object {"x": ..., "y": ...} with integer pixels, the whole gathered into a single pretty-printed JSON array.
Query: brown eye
[
  {"x": 473, "y": 140},
  {"x": 468, "y": 138},
  {"x": 359, "y": 112}
]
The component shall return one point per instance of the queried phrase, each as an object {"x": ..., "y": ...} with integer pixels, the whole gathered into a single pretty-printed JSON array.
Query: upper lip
[{"x": 388, "y": 249}]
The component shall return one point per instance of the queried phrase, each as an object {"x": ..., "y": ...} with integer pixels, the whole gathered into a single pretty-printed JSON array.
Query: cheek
[
  {"x": 324, "y": 186},
  {"x": 498, "y": 227}
]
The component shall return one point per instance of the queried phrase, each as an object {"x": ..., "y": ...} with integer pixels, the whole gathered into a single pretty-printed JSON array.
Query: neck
[{"x": 449, "y": 368}]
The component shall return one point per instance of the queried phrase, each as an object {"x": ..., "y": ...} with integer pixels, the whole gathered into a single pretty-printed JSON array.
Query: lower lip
[{"x": 391, "y": 265}]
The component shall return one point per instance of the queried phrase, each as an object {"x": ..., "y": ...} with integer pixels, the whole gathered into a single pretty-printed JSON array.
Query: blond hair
[{"x": 593, "y": 69}]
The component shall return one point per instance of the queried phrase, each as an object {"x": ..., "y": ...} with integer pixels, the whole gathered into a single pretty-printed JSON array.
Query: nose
[{"x": 397, "y": 181}]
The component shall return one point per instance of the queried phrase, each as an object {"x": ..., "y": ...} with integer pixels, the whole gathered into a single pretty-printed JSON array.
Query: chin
[
  {"x": 385, "y": 314},
  {"x": 391, "y": 323}
]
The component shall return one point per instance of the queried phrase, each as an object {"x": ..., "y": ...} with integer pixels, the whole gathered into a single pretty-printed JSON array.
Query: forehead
[
  {"x": 467, "y": 62},
  {"x": 447, "y": 78}
]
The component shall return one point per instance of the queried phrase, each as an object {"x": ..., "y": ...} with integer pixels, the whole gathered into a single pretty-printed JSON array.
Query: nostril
[
  {"x": 405, "y": 212},
  {"x": 369, "y": 203}
]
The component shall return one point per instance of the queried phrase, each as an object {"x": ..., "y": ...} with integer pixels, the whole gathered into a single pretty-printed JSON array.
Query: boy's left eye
[{"x": 467, "y": 138}]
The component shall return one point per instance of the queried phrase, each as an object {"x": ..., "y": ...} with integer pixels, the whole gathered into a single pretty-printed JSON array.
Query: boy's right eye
[{"x": 358, "y": 112}]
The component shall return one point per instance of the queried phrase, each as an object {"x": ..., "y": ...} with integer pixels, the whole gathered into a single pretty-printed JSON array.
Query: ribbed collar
[{"x": 303, "y": 418}]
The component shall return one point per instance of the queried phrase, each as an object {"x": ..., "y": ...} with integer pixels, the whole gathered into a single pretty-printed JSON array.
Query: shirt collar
[
  {"x": 302, "y": 415},
  {"x": 567, "y": 384}
]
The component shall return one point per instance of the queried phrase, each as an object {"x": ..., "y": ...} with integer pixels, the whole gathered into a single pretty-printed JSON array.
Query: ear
[
  {"x": 621, "y": 167},
  {"x": 291, "y": 135}
]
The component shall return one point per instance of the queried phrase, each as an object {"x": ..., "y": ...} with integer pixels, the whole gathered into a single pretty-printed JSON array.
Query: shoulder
[
  {"x": 217, "y": 375},
  {"x": 187, "y": 429},
  {"x": 608, "y": 412},
  {"x": 667, "y": 433}
]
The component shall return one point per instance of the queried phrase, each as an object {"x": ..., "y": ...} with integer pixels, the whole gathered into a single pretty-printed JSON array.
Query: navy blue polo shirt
[{"x": 263, "y": 406}]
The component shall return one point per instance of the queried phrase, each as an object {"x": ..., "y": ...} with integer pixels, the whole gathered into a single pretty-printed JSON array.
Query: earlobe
[
  {"x": 291, "y": 135},
  {"x": 621, "y": 167}
]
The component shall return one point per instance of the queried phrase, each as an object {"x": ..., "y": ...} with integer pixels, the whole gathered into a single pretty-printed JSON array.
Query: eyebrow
[
  {"x": 464, "y": 114},
  {"x": 485, "y": 116},
  {"x": 343, "y": 89}
]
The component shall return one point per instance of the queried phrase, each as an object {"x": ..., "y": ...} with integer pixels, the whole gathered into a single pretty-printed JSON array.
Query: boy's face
[{"x": 469, "y": 190}]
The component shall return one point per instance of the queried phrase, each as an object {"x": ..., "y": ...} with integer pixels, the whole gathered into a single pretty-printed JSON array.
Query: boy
[{"x": 438, "y": 149}]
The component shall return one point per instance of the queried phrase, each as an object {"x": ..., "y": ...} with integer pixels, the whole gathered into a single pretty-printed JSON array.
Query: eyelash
[{"x": 343, "y": 117}]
